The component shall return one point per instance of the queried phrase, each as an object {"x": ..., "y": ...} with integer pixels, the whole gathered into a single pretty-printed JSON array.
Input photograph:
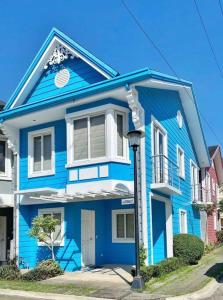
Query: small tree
[{"x": 43, "y": 229}]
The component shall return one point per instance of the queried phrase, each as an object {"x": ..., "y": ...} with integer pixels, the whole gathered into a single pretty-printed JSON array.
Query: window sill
[
  {"x": 41, "y": 174},
  {"x": 5, "y": 178},
  {"x": 126, "y": 241},
  {"x": 97, "y": 161}
]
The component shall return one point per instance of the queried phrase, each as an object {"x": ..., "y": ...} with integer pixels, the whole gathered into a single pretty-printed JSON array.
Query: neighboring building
[
  {"x": 67, "y": 121},
  {"x": 6, "y": 199},
  {"x": 212, "y": 179}
]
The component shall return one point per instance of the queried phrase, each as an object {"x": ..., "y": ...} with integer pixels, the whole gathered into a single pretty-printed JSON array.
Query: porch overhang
[{"x": 50, "y": 195}]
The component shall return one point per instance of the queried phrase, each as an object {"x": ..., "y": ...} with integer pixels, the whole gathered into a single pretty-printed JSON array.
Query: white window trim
[
  {"x": 110, "y": 133},
  {"x": 31, "y": 135},
  {"x": 184, "y": 211},
  {"x": 42, "y": 211},
  {"x": 180, "y": 149},
  {"x": 192, "y": 163},
  {"x": 7, "y": 175},
  {"x": 155, "y": 123},
  {"x": 115, "y": 212}
]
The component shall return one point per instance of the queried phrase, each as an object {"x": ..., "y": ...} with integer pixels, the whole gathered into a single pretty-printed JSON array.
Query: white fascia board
[
  {"x": 37, "y": 190},
  {"x": 39, "y": 68},
  {"x": 190, "y": 110}
]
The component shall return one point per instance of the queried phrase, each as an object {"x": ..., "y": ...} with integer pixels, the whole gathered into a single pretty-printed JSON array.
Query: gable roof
[
  {"x": 215, "y": 155},
  {"x": 55, "y": 39}
]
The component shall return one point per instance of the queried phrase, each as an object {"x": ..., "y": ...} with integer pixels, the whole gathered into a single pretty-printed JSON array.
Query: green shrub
[
  {"x": 45, "y": 270},
  {"x": 219, "y": 235},
  {"x": 188, "y": 247},
  {"x": 9, "y": 272},
  {"x": 209, "y": 247},
  {"x": 164, "y": 267},
  {"x": 142, "y": 255}
]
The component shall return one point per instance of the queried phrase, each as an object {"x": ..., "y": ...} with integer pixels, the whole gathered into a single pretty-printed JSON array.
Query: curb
[
  {"x": 43, "y": 296},
  {"x": 207, "y": 291}
]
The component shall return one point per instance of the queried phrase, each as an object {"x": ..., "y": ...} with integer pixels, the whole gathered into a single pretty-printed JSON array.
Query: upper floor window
[
  {"x": 180, "y": 162},
  {"x": 89, "y": 137},
  {"x": 5, "y": 160},
  {"x": 194, "y": 181},
  {"x": 41, "y": 152},
  {"x": 97, "y": 135}
]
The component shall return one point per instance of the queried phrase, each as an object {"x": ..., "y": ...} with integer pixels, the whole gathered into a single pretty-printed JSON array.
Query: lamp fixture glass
[{"x": 134, "y": 137}]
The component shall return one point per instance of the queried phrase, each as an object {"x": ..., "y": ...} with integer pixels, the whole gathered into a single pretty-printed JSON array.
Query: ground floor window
[
  {"x": 57, "y": 213},
  {"x": 123, "y": 226},
  {"x": 183, "y": 221}
]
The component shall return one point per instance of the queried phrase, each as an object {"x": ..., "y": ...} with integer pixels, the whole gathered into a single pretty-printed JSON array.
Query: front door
[
  {"x": 88, "y": 237},
  {"x": 2, "y": 238},
  {"x": 159, "y": 230}
]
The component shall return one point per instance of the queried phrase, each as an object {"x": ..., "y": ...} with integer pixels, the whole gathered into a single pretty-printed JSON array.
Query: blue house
[{"x": 67, "y": 121}]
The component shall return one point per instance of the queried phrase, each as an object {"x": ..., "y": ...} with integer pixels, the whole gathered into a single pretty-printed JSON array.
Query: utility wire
[
  {"x": 207, "y": 36},
  {"x": 150, "y": 40}
]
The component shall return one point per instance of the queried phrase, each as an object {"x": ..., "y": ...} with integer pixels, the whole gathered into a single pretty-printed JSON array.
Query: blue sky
[{"x": 106, "y": 29}]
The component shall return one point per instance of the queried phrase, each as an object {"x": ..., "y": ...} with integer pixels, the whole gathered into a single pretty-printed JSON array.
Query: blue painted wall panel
[
  {"x": 81, "y": 75},
  {"x": 163, "y": 105},
  {"x": 69, "y": 256}
]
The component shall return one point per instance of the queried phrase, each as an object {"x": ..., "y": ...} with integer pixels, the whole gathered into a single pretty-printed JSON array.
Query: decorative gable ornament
[
  {"x": 138, "y": 116},
  {"x": 60, "y": 54}
]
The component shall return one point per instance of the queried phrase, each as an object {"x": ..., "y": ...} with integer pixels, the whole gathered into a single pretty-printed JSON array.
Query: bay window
[
  {"x": 97, "y": 135},
  {"x": 41, "y": 152}
]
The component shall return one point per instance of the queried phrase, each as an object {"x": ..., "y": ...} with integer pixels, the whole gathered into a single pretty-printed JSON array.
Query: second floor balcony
[
  {"x": 165, "y": 175},
  {"x": 200, "y": 194}
]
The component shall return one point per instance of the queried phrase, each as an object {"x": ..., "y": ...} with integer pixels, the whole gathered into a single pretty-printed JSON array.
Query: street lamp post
[{"x": 134, "y": 142}]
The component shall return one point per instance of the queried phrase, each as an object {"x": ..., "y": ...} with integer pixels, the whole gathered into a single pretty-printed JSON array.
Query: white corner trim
[
  {"x": 138, "y": 116},
  {"x": 31, "y": 135},
  {"x": 52, "y": 210},
  {"x": 184, "y": 211},
  {"x": 115, "y": 239}
]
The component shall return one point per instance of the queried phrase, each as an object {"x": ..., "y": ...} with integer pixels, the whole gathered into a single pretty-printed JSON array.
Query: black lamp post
[{"x": 134, "y": 142}]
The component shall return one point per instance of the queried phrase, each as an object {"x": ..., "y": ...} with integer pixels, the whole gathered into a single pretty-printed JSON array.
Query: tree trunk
[{"x": 52, "y": 252}]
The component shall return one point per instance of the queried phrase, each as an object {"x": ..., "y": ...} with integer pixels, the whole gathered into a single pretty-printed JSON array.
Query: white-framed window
[
  {"x": 208, "y": 186},
  {"x": 57, "y": 213},
  {"x": 194, "y": 175},
  {"x": 41, "y": 145},
  {"x": 215, "y": 220},
  {"x": 159, "y": 152},
  {"x": 97, "y": 135},
  {"x": 123, "y": 226},
  {"x": 213, "y": 187},
  {"x": 5, "y": 160},
  {"x": 183, "y": 220},
  {"x": 181, "y": 162}
]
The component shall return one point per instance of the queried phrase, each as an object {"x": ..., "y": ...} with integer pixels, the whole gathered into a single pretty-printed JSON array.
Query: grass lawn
[
  {"x": 66, "y": 289},
  {"x": 189, "y": 278}
]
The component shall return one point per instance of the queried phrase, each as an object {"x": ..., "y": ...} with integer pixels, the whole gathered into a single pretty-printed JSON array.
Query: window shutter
[
  {"x": 97, "y": 136},
  {"x": 80, "y": 139}
]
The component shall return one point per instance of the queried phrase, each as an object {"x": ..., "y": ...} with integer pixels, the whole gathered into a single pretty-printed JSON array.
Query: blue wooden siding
[
  {"x": 81, "y": 75},
  {"x": 69, "y": 256},
  {"x": 117, "y": 171},
  {"x": 159, "y": 230},
  {"x": 163, "y": 105}
]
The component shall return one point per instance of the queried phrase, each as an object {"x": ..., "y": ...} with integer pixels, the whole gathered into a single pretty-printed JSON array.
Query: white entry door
[
  {"x": 88, "y": 237},
  {"x": 2, "y": 238}
]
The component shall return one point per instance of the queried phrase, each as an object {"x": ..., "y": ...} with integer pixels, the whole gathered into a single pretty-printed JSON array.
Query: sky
[{"x": 106, "y": 29}]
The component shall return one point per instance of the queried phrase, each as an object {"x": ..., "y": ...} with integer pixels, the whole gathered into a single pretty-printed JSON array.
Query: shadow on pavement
[{"x": 215, "y": 271}]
